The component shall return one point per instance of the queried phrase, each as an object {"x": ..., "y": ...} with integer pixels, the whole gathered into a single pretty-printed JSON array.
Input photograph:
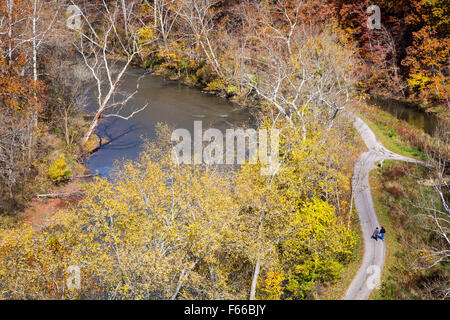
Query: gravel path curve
[{"x": 374, "y": 251}]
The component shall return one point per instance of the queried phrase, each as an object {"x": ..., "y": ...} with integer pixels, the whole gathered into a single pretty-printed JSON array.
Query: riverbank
[
  {"x": 174, "y": 66},
  {"x": 409, "y": 112},
  {"x": 416, "y": 106},
  {"x": 45, "y": 208},
  {"x": 57, "y": 168}
]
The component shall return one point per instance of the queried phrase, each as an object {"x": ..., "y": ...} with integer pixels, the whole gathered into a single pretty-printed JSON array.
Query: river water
[
  {"x": 428, "y": 122},
  {"x": 169, "y": 102}
]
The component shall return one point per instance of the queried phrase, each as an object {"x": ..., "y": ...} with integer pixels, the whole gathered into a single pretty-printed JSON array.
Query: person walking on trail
[
  {"x": 376, "y": 234},
  {"x": 382, "y": 232}
]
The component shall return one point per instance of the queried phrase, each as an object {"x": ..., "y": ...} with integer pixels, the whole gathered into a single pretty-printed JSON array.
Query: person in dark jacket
[
  {"x": 376, "y": 234},
  {"x": 382, "y": 232}
]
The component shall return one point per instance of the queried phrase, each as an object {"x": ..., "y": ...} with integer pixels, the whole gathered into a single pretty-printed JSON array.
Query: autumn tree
[
  {"x": 21, "y": 98},
  {"x": 408, "y": 53},
  {"x": 428, "y": 59},
  {"x": 107, "y": 53},
  {"x": 164, "y": 15},
  {"x": 294, "y": 68},
  {"x": 160, "y": 230},
  {"x": 434, "y": 211},
  {"x": 199, "y": 15}
]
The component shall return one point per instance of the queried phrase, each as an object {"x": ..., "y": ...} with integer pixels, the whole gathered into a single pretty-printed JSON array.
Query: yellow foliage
[
  {"x": 272, "y": 287},
  {"x": 162, "y": 230},
  {"x": 58, "y": 170},
  {"x": 215, "y": 85}
]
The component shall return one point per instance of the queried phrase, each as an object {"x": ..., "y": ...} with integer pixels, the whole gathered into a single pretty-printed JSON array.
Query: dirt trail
[
  {"x": 39, "y": 211},
  {"x": 374, "y": 251}
]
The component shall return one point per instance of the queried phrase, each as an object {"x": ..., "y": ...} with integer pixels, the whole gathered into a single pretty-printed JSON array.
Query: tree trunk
[
  {"x": 91, "y": 128},
  {"x": 10, "y": 24},
  {"x": 255, "y": 279},
  {"x": 35, "y": 76},
  {"x": 125, "y": 18}
]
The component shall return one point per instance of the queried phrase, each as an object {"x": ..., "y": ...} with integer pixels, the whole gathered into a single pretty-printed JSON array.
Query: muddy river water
[{"x": 168, "y": 102}]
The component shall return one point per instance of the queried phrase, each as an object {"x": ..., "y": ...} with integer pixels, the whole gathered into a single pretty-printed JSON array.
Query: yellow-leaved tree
[{"x": 158, "y": 230}]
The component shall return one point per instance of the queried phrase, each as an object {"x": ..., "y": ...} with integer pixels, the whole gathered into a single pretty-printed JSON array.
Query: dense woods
[{"x": 163, "y": 231}]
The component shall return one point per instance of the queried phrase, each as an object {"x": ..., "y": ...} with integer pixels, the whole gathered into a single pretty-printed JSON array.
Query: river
[
  {"x": 428, "y": 122},
  {"x": 169, "y": 102}
]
